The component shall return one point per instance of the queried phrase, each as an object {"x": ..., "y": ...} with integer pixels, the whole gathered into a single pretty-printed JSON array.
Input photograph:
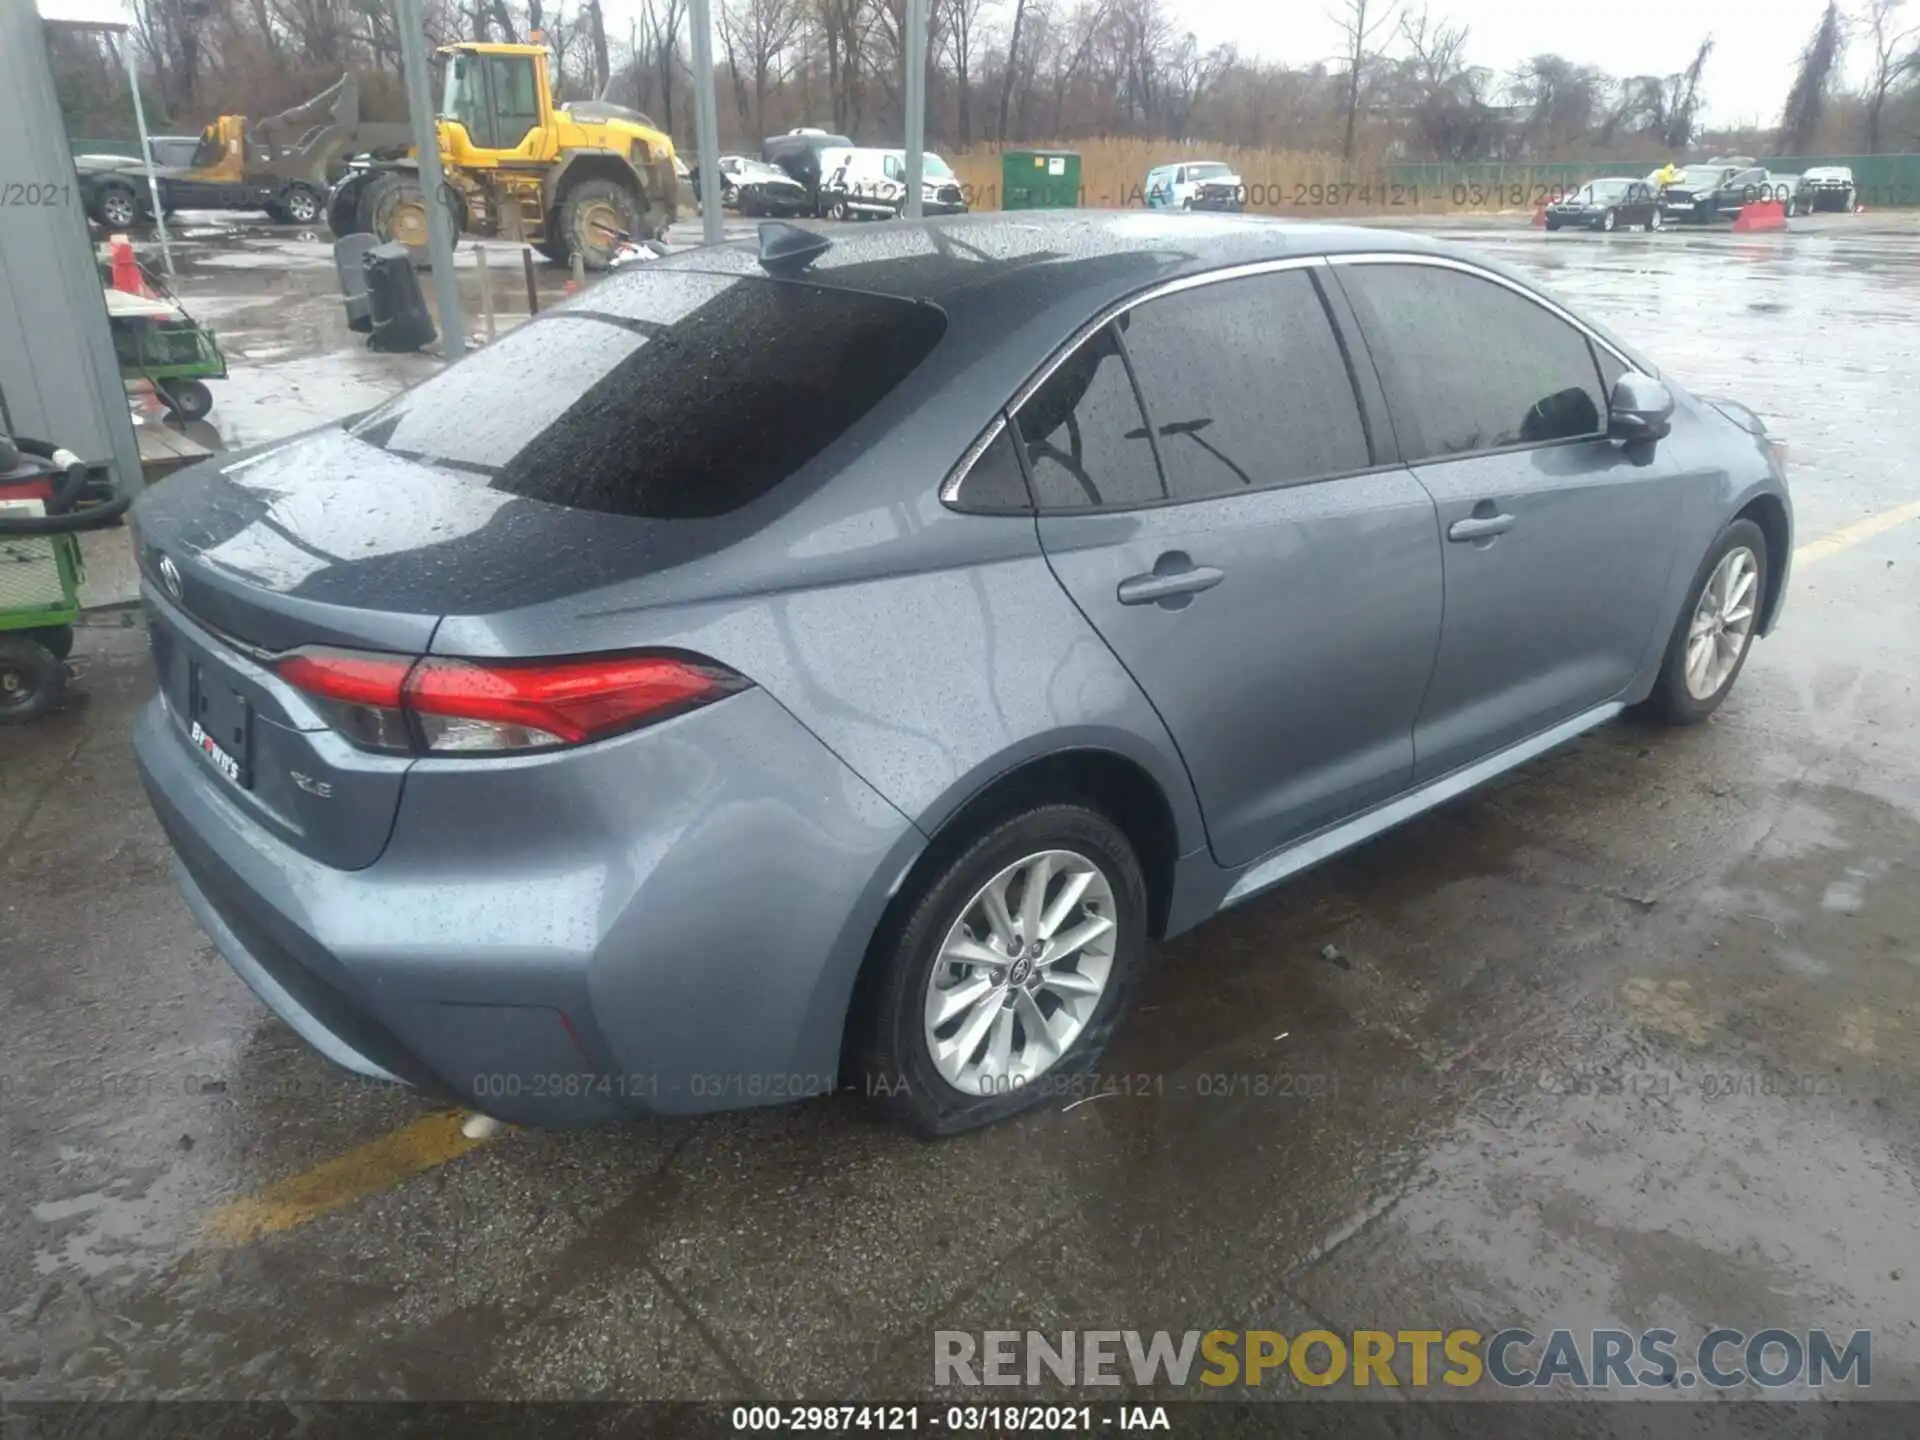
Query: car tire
[
  {"x": 117, "y": 207},
  {"x": 32, "y": 679},
  {"x": 895, "y": 1061},
  {"x": 1552, "y": 223},
  {"x": 300, "y": 204},
  {"x": 1609, "y": 220},
  {"x": 1676, "y": 699},
  {"x": 1653, "y": 221},
  {"x": 837, "y": 210}
]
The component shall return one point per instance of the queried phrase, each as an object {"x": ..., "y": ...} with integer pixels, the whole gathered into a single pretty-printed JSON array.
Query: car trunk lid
[{"x": 331, "y": 542}]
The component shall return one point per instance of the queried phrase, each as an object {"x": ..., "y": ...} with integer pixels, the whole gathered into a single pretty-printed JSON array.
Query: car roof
[{"x": 961, "y": 261}]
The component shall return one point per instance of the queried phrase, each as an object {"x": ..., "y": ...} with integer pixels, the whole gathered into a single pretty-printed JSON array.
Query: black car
[
  {"x": 1611, "y": 204},
  {"x": 1705, "y": 193},
  {"x": 798, "y": 153},
  {"x": 754, "y": 187}
]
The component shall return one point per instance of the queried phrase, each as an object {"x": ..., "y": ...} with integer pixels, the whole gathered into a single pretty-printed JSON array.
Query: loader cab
[
  {"x": 498, "y": 95},
  {"x": 216, "y": 179}
]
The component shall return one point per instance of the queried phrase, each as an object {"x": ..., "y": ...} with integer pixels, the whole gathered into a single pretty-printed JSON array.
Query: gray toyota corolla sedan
[{"x": 815, "y": 664}]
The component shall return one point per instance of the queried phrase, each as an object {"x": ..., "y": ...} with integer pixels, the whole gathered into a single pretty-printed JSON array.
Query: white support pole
[
  {"x": 426, "y": 143},
  {"x": 916, "y": 102},
  {"x": 706, "y": 121},
  {"x": 146, "y": 153}
]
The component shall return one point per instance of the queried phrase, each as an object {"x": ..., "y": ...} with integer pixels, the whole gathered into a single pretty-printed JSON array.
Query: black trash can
[
  {"x": 396, "y": 308},
  {"x": 350, "y": 265}
]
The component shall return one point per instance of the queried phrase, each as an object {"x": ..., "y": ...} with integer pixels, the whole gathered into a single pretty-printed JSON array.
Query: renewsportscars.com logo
[{"x": 1513, "y": 1358}]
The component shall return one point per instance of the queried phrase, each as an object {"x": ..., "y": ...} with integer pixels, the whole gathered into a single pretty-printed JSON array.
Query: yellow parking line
[
  {"x": 379, "y": 1164},
  {"x": 1850, "y": 535}
]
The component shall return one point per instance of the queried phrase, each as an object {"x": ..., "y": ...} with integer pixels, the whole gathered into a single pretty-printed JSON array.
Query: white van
[{"x": 862, "y": 183}]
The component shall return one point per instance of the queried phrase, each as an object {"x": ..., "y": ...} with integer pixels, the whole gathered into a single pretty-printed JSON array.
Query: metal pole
[
  {"x": 486, "y": 291},
  {"x": 426, "y": 143},
  {"x": 146, "y": 153},
  {"x": 706, "y": 121},
  {"x": 916, "y": 102}
]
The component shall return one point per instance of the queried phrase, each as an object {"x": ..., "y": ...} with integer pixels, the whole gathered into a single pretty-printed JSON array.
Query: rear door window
[
  {"x": 1471, "y": 365},
  {"x": 1085, "y": 438},
  {"x": 664, "y": 394},
  {"x": 1246, "y": 386}
]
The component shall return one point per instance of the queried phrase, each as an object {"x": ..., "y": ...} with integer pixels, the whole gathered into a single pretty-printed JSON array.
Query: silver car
[{"x": 834, "y": 663}]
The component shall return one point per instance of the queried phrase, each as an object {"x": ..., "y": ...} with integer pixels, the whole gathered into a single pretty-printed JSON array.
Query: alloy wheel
[
  {"x": 118, "y": 207},
  {"x": 1021, "y": 972},
  {"x": 301, "y": 206},
  {"x": 1722, "y": 622}
]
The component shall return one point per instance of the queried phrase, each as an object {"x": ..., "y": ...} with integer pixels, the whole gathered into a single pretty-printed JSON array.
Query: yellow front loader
[{"x": 519, "y": 167}]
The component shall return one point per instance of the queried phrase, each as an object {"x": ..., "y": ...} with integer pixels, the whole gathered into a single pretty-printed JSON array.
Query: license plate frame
[{"x": 220, "y": 725}]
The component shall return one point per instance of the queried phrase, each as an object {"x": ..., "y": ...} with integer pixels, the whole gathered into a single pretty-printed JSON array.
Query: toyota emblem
[{"x": 170, "y": 576}]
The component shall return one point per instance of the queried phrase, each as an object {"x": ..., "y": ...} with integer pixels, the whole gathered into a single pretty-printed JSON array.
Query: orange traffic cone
[{"x": 126, "y": 270}]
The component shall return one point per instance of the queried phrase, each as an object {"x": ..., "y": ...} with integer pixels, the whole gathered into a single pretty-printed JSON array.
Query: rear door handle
[
  {"x": 1169, "y": 584},
  {"x": 1479, "y": 527}
]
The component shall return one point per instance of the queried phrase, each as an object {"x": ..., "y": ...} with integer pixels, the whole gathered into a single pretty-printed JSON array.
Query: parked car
[
  {"x": 113, "y": 188},
  {"x": 1717, "y": 192},
  {"x": 1607, "y": 204},
  {"x": 866, "y": 184},
  {"x": 798, "y": 153},
  {"x": 754, "y": 187},
  {"x": 1195, "y": 185},
  {"x": 586, "y": 732},
  {"x": 1826, "y": 187}
]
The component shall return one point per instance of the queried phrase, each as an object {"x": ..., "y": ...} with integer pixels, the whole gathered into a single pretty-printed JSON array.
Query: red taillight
[
  {"x": 347, "y": 675},
  {"x": 495, "y": 706},
  {"x": 562, "y": 702}
]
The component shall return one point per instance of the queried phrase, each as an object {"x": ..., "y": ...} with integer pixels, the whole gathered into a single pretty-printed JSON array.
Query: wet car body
[
  {"x": 912, "y": 616},
  {"x": 1629, "y": 203},
  {"x": 754, "y": 187},
  {"x": 1706, "y": 194}
]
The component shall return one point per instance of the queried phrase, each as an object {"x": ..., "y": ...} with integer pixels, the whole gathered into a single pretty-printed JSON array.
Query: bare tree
[
  {"x": 962, "y": 25},
  {"x": 757, "y": 34},
  {"x": 663, "y": 20},
  {"x": 1013, "y": 67},
  {"x": 1807, "y": 100},
  {"x": 1896, "y": 54},
  {"x": 1360, "y": 22}
]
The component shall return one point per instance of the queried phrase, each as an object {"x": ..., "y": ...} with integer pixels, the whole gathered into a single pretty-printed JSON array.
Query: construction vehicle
[
  {"x": 272, "y": 164},
  {"x": 519, "y": 167}
]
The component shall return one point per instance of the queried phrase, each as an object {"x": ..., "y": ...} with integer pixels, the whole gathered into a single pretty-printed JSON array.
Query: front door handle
[
  {"x": 1479, "y": 527},
  {"x": 1173, "y": 584}
]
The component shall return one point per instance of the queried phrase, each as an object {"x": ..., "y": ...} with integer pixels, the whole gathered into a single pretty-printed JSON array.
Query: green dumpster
[{"x": 1040, "y": 180}]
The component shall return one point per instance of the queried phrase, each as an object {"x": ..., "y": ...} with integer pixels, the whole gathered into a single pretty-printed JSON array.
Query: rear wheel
[
  {"x": 1653, "y": 219},
  {"x": 32, "y": 679},
  {"x": 1609, "y": 220},
  {"x": 188, "y": 399},
  {"x": 1007, "y": 973},
  {"x": 1552, "y": 223},
  {"x": 116, "y": 206},
  {"x": 591, "y": 210},
  {"x": 300, "y": 204},
  {"x": 1714, "y": 633}
]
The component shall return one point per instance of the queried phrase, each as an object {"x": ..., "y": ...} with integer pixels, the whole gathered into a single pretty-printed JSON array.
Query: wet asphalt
[{"x": 1627, "y": 1039}]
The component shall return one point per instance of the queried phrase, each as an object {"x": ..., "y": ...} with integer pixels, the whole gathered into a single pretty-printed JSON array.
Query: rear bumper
[{"x": 670, "y": 922}]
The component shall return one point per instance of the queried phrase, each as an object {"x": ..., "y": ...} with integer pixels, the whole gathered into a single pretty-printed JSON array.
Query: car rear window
[{"x": 663, "y": 394}]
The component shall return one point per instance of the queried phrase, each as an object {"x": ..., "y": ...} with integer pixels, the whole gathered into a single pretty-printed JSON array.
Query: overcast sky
[{"x": 1756, "y": 42}]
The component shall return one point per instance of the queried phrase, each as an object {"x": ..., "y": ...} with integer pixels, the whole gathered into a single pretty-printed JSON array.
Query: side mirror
[{"x": 1641, "y": 408}]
